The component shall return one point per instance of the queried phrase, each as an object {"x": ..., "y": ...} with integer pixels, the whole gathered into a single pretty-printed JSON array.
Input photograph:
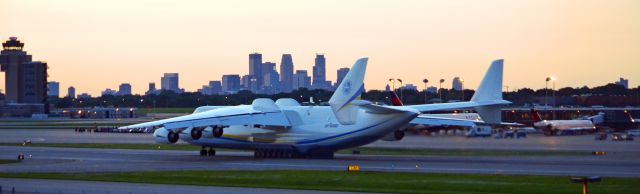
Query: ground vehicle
[
  {"x": 479, "y": 131},
  {"x": 621, "y": 137}
]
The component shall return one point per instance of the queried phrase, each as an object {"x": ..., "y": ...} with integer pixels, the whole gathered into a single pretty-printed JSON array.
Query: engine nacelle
[
  {"x": 164, "y": 136},
  {"x": 213, "y": 131},
  {"x": 396, "y": 135},
  {"x": 191, "y": 133}
]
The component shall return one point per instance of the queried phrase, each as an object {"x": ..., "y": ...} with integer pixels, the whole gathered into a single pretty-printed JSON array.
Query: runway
[
  {"x": 114, "y": 160},
  {"x": 532, "y": 142}
]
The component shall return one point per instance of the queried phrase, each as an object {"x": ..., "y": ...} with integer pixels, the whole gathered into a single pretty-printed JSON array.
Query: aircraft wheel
[
  {"x": 203, "y": 152},
  {"x": 211, "y": 152}
]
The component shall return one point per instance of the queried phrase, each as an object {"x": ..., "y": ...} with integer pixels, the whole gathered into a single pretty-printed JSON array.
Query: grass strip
[{"x": 385, "y": 182}]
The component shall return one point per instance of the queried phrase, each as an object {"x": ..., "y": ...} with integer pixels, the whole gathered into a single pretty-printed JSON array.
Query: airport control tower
[{"x": 25, "y": 80}]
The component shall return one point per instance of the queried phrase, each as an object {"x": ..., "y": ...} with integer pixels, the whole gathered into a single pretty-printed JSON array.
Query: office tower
[
  {"x": 269, "y": 85},
  {"x": 215, "y": 87},
  {"x": 319, "y": 72},
  {"x": 71, "y": 92},
  {"x": 230, "y": 83},
  {"x": 249, "y": 82},
  {"x": 124, "y": 89},
  {"x": 286, "y": 73},
  {"x": 152, "y": 89},
  {"x": 301, "y": 79},
  {"x": 25, "y": 80},
  {"x": 255, "y": 67},
  {"x": 623, "y": 82},
  {"x": 341, "y": 73},
  {"x": 54, "y": 89},
  {"x": 84, "y": 96},
  {"x": 456, "y": 84},
  {"x": 170, "y": 82}
]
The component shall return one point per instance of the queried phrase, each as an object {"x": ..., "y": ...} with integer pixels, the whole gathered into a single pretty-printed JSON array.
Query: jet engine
[
  {"x": 164, "y": 136},
  {"x": 191, "y": 133},
  {"x": 396, "y": 135},
  {"x": 213, "y": 131}
]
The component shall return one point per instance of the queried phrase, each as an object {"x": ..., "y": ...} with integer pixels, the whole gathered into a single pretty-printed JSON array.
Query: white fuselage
[
  {"x": 559, "y": 125},
  {"x": 313, "y": 128}
]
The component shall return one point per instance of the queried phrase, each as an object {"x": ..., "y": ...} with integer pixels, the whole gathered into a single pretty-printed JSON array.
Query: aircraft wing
[
  {"x": 261, "y": 112},
  {"x": 457, "y": 105},
  {"x": 428, "y": 120},
  {"x": 440, "y": 121}
]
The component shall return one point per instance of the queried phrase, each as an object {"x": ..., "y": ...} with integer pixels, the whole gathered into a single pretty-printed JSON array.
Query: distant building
[
  {"x": 214, "y": 87},
  {"x": 456, "y": 84},
  {"x": 319, "y": 72},
  {"x": 25, "y": 80},
  {"x": 124, "y": 89},
  {"x": 432, "y": 89},
  {"x": 623, "y": 82},
  {"x": 231, "y": 83},
  {"x": 54, "y": 89},
  {"x": 341, "y": 73},
  {"x": 152, "y": 89},
  {"x": 286, "y": 73},
  {"x": 109, "y": 92},
  {"x": 84, "y": 96},
  {"x": 410, "y": 87},
  {"x": 301, "y": 80},
  {"x": 270, "y": 78},
  {"x": 249, "y": 82},
  {"x": 255, "y": 68},
  {"x": 387, "y": 88},
  {"x": 170, "y": 82},
  {"x": 71, "y": 92}
]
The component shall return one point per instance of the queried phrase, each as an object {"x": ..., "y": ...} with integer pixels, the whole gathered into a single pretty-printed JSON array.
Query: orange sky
[{"x": 94, "y": 45}]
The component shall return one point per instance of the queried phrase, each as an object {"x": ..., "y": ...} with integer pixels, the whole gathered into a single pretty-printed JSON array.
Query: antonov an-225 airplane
[{"x": 284, "y": 128}]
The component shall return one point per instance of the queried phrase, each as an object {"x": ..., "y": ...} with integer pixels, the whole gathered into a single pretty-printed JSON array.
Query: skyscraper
[
  {"x": 124, "y": 89},
  {"x": 319, "y": 72},
  {"x": 286, "y": 73},
  {"x": 270, "y": 80},
  {"x": 623, "y": 82},
  {"x": 54, "y": 89},
  {"x": 25, "y": 80},
  {"x": 170, "y": 82},
  {"x": 341, "y": 73},
  {"x": 215, "y": 86},
  {"x": 255, "y": 67},
  {"x": 301, "y": 80},
  {"x": 456, "y": 84},
  {"x": 231, "y": 83},
  {"x": 152, "y": 89},
  {"x": 71, "y": 92},
  {"x": 249, "y": 83}
]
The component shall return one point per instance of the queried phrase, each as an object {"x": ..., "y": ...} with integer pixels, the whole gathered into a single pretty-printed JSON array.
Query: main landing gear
[{"x": 205, "y": 152}]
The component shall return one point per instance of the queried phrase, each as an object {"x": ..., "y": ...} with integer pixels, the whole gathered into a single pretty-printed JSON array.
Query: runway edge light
[{"x": 353, "y": 168}]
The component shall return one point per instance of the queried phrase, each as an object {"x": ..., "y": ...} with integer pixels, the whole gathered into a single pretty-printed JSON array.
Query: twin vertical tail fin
[
  {"x": 535, "y": 115},
  {"x": 490, "y": 90},
  {"x": 350, "y": 89}
]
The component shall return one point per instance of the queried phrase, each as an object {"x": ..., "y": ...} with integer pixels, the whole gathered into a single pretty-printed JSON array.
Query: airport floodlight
[
  {"x": 585, "y": 181},
  {"x": 441, "y": 80},
  {"x": 425, "y": 81}
]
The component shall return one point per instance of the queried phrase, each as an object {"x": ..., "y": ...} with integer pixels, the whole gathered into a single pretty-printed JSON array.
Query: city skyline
[{"x": 581, "y": 43}]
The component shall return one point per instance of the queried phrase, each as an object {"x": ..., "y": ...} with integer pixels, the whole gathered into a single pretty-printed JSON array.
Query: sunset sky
[{"x": 94, "y": 45}]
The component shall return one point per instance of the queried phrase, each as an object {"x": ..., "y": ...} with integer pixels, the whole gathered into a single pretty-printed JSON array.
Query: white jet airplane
[{"x": 285, "y": 129}]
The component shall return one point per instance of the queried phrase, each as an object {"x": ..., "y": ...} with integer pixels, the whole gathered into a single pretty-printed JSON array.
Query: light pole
[
  {"x": 401, "y": 88},
  {"x": 546, "y": 91},
  {"x": 553, "y": 78},
  {"x": 425, "y": 81},
  {"x": 393, "y": 85},
  {"x": 440, "y": 88}
]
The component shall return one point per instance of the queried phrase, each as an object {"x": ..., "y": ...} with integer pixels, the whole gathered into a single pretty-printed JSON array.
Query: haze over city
[{"x": 97, "y": 45}]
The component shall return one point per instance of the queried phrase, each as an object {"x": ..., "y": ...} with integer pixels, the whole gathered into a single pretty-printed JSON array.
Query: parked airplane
[
  {"x": 553, "y": 127},
  {"x": 285, "y": 129}
]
